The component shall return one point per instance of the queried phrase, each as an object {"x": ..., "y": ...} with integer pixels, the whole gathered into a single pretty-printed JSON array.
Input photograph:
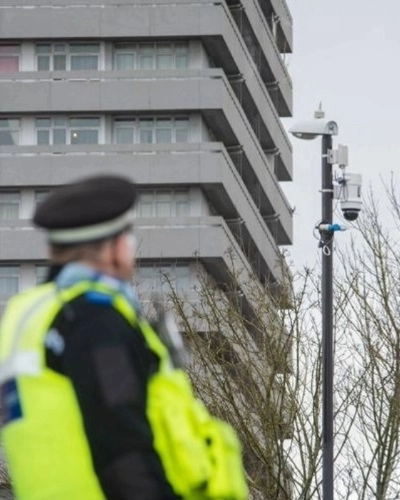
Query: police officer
[{"x": 93, "y": 406}]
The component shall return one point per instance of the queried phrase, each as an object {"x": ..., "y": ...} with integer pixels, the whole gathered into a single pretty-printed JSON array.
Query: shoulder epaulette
[{"x": 96, "y": 297}]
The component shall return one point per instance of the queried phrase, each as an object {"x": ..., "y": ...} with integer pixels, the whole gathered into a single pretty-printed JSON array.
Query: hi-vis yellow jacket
[{"x": 43, "y": 435}]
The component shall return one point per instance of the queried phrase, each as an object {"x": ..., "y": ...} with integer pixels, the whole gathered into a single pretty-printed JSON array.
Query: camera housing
[
  {"x": 350, "y": 209},
  {"x": 310, "y": 129},
  {"x": 347, "y": 189}
]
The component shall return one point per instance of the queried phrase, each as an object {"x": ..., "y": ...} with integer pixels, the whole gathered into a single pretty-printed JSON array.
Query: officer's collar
[
  {"x": 74, "y": 272},
  {"x": 53, "y": 272}
]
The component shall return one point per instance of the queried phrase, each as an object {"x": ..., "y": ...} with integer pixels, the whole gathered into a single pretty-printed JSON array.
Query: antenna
[{"x": 319, "y": 113}]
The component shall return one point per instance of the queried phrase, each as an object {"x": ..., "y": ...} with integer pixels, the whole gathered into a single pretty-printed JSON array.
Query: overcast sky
[{"x": 346, "y": 55}]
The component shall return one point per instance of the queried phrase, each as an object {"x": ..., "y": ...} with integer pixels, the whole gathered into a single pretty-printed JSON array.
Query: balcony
[
  {"x": 213, "y": 23},
  {"x": 206, "y": 165},
  {"x": 284, "y": 22},
  {"x": 207, "y": 91},
  {"x": 263, "y": 48},
  {"x": 207, "y": 239}
]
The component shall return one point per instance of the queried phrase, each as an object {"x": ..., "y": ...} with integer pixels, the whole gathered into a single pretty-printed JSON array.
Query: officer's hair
[
  {"x": 69, "y": 253},
  {"x": 62, "y": 254}
]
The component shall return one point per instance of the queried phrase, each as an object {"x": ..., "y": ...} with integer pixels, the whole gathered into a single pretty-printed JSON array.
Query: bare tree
[
  {"x": 258, "y": 364},
  {"x": 371, "y": 279},
  {"x": 5, "y": 481}
]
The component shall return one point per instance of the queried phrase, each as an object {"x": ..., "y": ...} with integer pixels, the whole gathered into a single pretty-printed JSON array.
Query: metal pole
[{"x": 327, "y": 325}]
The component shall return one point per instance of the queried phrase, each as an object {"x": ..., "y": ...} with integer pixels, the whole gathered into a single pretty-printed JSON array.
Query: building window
[
  {"x": 163, "y": 203},
  {"x": 151, "y": 130},
  {"x": 151, "y": 55},
  {"x": 181, "y": 129},
  {"x": 9, "y": 205},
  {"x": 67, "y": 56},
  {"x": 40, "y": 196},
  {"x": 67, "y": 130},
  {"x": 9, "y": 131},
  {"x": 41, "y": 272},
  {"x": 160, "y": 279},
  {"x": 9, "y": 58},
  {"x": 9, "y": 282}
]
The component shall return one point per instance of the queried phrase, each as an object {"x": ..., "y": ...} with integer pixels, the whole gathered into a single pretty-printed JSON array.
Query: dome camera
[
  {"x": 350, "y": 209},
  {"x": 347, "y": 189}
]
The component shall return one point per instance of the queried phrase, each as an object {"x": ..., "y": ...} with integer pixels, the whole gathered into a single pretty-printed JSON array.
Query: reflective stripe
[
  {"x": 20, "y": 326},
  {"x": 23, "y": 362},
  {"x": 92, "y": 232},
  {"x": 20, "y": 363}
]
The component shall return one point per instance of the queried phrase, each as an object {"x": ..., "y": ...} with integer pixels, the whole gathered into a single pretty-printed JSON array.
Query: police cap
[{"x": 90, "y": 209}]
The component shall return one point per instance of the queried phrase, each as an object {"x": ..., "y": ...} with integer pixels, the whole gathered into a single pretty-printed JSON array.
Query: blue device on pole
[{"x": 331, "y": 228}]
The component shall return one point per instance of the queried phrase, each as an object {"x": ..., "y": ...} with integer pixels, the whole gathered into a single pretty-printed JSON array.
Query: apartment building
[{"x": 183, "y": 97}]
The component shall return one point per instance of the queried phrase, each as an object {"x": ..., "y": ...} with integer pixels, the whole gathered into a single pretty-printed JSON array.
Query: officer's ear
[
  {"x": 117, "y": 244},
  {"x": 123, "y": 253},
  {"x": 125, "y": 242}
]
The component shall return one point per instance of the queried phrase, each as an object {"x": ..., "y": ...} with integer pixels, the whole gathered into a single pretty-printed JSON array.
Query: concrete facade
[{"x": 184, "y": 97}]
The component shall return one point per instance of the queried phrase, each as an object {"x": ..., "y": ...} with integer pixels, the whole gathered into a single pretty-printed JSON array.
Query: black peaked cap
[{"x": 86, "y": 202}]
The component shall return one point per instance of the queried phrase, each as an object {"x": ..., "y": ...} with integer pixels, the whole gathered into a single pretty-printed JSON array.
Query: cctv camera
[
  {"x": 311, "y": 129},
  {"x": 350, "y": 209},
  {"x": 347, "y": 189}
]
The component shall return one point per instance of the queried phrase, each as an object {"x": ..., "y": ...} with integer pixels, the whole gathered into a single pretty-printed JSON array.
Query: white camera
[{"x": 347, "y": 189}]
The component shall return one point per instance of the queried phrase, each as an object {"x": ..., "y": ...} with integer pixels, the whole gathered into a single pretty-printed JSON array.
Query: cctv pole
[
  {"x": 310, "y": 130},
  {"x": 327, "y": 322}
]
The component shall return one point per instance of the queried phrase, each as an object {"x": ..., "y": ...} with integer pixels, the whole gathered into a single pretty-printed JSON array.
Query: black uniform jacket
[{"x": 109, "y": 365}]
